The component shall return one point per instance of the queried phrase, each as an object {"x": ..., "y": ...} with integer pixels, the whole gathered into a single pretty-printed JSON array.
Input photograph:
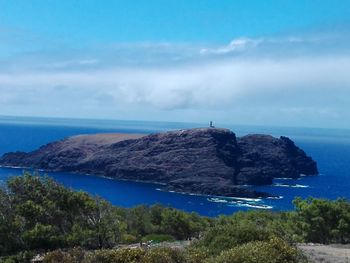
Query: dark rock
[
  {"x": 202, "y": 161},
  {"x": 264, "y": 157}
]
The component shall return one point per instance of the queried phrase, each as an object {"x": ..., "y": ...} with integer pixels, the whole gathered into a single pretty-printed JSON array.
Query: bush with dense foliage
[
  {"x": 244, "y": 227},
  {"x": 323, "y": 221},
  {"x": 274, "y": 250},
  {"x": 42, "y": 214},
  {"x": 37, "y": 213}
]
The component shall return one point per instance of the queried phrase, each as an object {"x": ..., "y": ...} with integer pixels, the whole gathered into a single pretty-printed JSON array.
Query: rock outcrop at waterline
[{"x": 202, "y": 161}]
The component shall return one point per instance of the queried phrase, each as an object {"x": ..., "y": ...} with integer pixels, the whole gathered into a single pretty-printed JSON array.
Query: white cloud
[
  {"x": 274, "y": 80},
  {"x": 213, "y": 84},
  {"x": 236, "y": 45}
]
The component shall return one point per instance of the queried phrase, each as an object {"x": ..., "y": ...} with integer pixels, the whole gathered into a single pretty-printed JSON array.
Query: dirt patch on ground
[{"x": 326, "y": 253}]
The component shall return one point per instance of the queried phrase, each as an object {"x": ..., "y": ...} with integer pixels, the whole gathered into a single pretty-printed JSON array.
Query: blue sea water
[{"x": 330, "y": 148}]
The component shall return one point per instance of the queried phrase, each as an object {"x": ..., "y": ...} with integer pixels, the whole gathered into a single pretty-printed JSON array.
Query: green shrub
[
  {"x": 116, "y": 256},
  {"x": 21, "y": 257},
  {"x": 273, "y": 251},
  {"x": 38, "y": 213},
  {"x": 224, "y": 236},
  {"x": 196, "y": 254},
  {"x": 323, "y": 221},
  {"x": 163, "y": 255},
  {"x": 76, "y": 255}
]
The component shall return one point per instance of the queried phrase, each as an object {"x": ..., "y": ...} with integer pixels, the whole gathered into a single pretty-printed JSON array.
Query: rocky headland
[{"x": 202, "y": 161}]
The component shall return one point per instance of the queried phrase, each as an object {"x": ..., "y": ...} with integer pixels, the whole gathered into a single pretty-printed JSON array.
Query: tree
[{"x": 323, "y": 221}]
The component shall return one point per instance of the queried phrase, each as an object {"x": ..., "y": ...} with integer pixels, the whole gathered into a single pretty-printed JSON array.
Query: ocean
[{"x": 330, "y": 148}]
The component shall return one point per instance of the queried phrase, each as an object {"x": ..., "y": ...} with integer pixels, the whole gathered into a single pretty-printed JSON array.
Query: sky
[{"x": 271, "y": 62}]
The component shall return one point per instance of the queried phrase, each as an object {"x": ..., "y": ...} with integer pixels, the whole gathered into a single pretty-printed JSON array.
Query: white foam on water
[
  {"x": 247, "y": 199},
  {"x": 12, "y": 167},
  {"x": 258, "y": 206},
  {"x": 233, "y": 199},
  {"x": 241, "y": 202},
  {"x": 217, "y": 200},
  {"x": 301, "y": 186},
  {"x": 292, "y": 185},
  {"x": 275, "y": 197}
]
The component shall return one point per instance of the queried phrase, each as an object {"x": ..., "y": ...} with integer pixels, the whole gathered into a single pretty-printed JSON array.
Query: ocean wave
[
  {"x": 258, "y": 206},
  {"x": 275, "y": 197},
  {"x": 12, "y": 167},
  {"x": 217, "y": 200},
  {"x": 246, "y": 199},
  {"x": 241, "y": 202},
  {"x": 233, "y": 199},
  {"x": 291, "y": 185}
]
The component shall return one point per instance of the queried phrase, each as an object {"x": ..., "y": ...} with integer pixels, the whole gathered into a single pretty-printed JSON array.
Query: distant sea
[{"x": 329, "y": 147}]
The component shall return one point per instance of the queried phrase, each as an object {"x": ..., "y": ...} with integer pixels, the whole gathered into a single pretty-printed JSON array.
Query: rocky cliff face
[
  {"x": 206, "y": 161},
  {"x": 264, "y": 157}
]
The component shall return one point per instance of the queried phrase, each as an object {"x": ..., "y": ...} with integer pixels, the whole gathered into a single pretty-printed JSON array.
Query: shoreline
[{"x": 242, "y": 198}]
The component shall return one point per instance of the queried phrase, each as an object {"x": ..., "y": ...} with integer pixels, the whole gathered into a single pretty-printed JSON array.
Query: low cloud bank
[{"x": 249, "y": 80}]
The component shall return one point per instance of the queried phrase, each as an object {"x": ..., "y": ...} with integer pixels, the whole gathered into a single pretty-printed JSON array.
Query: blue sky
[
  {"x": 167, "y": 20},
  {"x": 281, "y": 62}
]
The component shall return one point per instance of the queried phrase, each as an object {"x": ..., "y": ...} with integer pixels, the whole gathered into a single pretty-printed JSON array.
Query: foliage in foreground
[
  {"x": 38, "y": 215},
  {"x": 323, "y": 221},
  {"x": 271, "y": 251}
]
